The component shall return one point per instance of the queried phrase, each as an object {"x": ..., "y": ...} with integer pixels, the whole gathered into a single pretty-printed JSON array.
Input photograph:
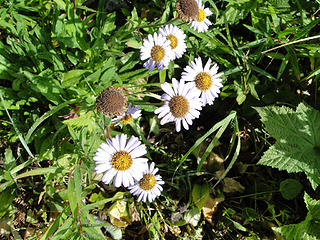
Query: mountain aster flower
[
  {"x": 201, "y": 23},
  {"x": 133, "y": 112},
  {"x": 206, "y": 80},
  {"x": 181, "y": 104},
  {"x": 176, "y": 37},
  {"x": 157, "y": 50},
  {"x": 149, "y": 186},
  {"x": 121, "y": 161}
]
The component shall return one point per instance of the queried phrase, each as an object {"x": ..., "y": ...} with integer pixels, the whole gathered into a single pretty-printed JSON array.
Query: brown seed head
[
  {"x": 111, "y": 101},
  {"x": 179, "y": 106},
  {"x": 187, "y": 10}
]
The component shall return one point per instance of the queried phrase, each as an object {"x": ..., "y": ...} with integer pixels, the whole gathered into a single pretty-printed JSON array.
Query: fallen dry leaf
[
  {"x": 230, "y": 186},
  {"x": 211, "y": 207},
  {"x": 118, "y": 214}
]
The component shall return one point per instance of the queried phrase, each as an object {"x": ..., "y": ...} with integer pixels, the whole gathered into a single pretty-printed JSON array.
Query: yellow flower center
[
  {"x": 179, "y": 106},
  {"x": 203, "y": 81},
  {"x": 121, "y": 160},
  {"x": 147, "y": 182},
  {"x": 157, "y": 53},
  {"x": 201, "y": 15},
  {"x": 174, "y": 41},
  {"x": 126, "y": 119}
]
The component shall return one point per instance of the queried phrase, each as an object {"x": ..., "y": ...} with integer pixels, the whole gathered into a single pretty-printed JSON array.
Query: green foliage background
[{"x": 56, "y": 56}]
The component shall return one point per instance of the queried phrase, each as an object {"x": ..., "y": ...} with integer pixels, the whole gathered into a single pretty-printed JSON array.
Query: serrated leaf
[
  {"x": 200, "y": 194},
  {"x": 290, "y": 188},
  {"x": 85, "y": 120},
  {"x": 308, "y": 228},
  {"x": 297, "y": 148}
]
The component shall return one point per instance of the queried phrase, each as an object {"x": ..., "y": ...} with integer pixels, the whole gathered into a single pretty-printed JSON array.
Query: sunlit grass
[{"x": 59, "y": 59}]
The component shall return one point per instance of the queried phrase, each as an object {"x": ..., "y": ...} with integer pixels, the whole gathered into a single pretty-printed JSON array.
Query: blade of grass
[
  {"x": 283, "y": 66},
  {"x": 294, "y": 61},
  {"x": 22, "y": 140},
  {"x": 46, "y": 115},
  {"x": 211, "y": 146},
  {"x": 236, "y": 153},
  {"x": 293, "y": 42},
  {"x": 218, "y": 125},
  {"x": 40, "y": 171}
]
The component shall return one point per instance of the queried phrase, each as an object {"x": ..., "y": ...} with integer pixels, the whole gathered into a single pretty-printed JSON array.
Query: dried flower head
[
  {"x": 187, "y": 10},
  {"x": 111, "y": 101}
]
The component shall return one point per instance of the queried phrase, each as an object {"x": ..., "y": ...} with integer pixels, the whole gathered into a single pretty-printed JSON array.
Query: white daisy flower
[
  {"x": 181, "y": 104},
  {"x": 121, "y": 161},
  {"x": 176, "y": 37},
  {"x": 149, "y": 186},
  {"x": 157, "y": 50},
  {"x": 206, "y": 80},
  {"x": 133, "y": 112},
  {"x": 202, "y": 23}
]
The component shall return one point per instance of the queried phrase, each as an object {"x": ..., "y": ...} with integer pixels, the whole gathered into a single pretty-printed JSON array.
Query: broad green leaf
[
  {"x": 109, "y": 24},
  {"x": 9, "y": 160},
  {"x": 72, "y": 77},
  {"x": 297, "y": 148},
  {"x": 6, "y": 199},
  {"x": 200, "y": 194},
  {"x": 308, "y": 228},
  {"x": 290, "y": 188}
]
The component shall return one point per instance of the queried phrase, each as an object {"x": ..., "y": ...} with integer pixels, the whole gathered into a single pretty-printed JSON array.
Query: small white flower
[
  {"x": 181, "y": 104},
  {"x": 202, "y": 23},
  {"x": 206, "y": 80},
  {"x": 176, "y": 37},
  {"x": 121, "y": 160},
  {"x": 149, "y": 186},
  {"x": 133, "y": 112},
  {"x": 157, "y": 50}
]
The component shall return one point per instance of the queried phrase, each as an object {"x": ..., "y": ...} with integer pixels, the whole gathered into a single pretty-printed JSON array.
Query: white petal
[
  {"x": 178, "y": 125},
  {"x": 118, "y": 179},
  {"x": 168, "y": 89},
  {"x": 108, "y": 175}
]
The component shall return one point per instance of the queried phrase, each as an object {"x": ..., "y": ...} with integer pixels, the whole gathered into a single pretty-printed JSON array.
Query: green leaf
[
  {"x": 85, "y": 120},
  {"x": 200, "y": 194},
  {"x": 297, "y": 148},
  {"x": 308, "y": 228},
  {"x": 294, "y": 61},
  {"x": 45, "y": 116},
  {"x": 72, "y": 78},
  {"x": 40, "y": 171},
  {"x": 109, "y": 25},
  {"x": 16, "y": 129},
  {"x": 6, "y": 199},
  {"x": 9, "y": 160},
  {"x": 290, "y": 188}
]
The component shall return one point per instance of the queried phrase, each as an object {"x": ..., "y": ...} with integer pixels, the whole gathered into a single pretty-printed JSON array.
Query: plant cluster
[{"x": 183, "y": 119}]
